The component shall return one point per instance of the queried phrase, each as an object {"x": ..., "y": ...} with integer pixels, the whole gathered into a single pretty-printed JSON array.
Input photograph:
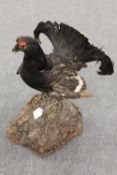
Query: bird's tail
[
  {"x": 106, "y": 65},
  {"x": 71, "y": 43}
]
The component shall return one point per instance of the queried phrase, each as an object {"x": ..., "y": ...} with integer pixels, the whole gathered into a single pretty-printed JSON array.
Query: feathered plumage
[
  {"x": 72, "y": 46},
  {"x": 41, "y": 75},
  {"x": 58, "y": 71}
]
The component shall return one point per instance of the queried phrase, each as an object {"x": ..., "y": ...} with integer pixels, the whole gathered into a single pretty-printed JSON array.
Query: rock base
[{"x": 46, "y": 123}]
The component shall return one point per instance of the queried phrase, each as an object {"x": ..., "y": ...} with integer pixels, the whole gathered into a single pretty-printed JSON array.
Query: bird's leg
[
  {"x": 45, "y": 95},
  {"x": 56, "y": 97},
  {"x": 52, "y": 104}
]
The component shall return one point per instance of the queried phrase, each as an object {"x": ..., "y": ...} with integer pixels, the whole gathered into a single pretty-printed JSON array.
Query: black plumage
[
  {"x": 42, "y": 75},
  {"x": 73, "y": 46},
  {"x": 58, "y": 71}
]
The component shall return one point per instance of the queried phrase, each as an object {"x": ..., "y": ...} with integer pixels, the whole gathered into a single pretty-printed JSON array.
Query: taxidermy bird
[{"x": 58, "y": 71}]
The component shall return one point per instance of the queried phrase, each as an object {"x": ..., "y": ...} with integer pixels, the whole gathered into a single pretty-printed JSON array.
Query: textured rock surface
[{"x": 60, "y": 122}]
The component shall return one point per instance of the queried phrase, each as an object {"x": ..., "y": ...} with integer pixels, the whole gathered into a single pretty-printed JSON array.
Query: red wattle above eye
[{"x": 22, "y": 43}]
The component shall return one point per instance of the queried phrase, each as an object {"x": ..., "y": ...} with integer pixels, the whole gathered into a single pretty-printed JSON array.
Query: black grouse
[
  {"x": 39, "y": 74},
  {"x": 58, "y": 71}
]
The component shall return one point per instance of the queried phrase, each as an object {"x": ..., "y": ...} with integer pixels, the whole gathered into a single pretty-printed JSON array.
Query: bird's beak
[{"x": 16, "y": 48}]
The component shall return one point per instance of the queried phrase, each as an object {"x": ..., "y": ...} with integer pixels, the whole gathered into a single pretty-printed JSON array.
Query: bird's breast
[{"x": 35, "y": 80}]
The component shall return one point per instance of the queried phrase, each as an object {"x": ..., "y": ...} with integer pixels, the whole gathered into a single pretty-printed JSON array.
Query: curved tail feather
[
  {"x": 106, "y": 66},
  {"x": 69, "y": 42}
]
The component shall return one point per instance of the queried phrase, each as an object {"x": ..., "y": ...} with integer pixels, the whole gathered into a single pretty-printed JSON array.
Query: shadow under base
[{"x": 45, "y": 124}]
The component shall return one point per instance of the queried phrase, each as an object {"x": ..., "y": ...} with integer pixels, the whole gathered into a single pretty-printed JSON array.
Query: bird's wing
[
  {"x": 68, "y": 83},
  {"x": 71, "y": 44},
  {"x": 67, "y": 41}
]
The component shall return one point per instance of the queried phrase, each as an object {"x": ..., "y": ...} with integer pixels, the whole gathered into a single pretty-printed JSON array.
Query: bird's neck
[{"x": 36, "y": 57}]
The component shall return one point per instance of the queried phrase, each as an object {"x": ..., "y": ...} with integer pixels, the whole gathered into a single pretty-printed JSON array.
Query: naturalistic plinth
[{"x": 46, "y": 123}]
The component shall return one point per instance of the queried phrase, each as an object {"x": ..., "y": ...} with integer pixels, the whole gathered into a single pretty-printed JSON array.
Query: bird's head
[{"x": 26, "y": 44}]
